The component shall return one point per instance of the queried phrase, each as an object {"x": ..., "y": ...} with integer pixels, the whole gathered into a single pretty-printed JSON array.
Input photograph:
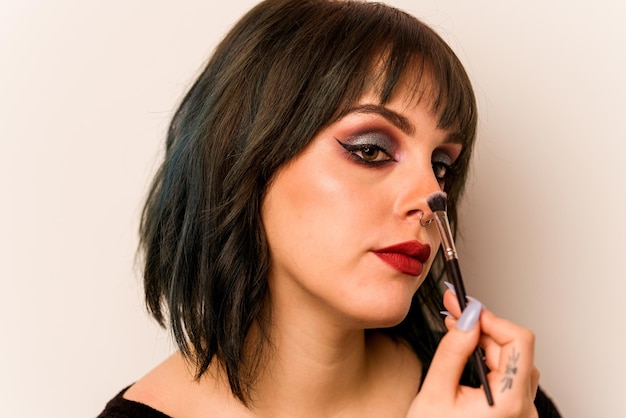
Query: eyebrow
[{"x": 401, "y": 122}]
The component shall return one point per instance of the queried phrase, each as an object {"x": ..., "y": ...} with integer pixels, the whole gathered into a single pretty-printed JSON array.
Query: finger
[
  {"x": 451, "y": 303},
  {"x": 492, "y": 351},
  {"x": 452, "y": 354},
  {"x": 510, "y": 354},
  {"x": 503, "y": 343},
  {"x": 492, "y": 348},
  {"x": 514, "y": 341},
  {"x": 450, "y": 322},
  {"x": 453, "y": 311}
]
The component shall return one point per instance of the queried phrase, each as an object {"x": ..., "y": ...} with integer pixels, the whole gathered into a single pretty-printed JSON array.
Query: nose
[{"x": 412, "y": 197}]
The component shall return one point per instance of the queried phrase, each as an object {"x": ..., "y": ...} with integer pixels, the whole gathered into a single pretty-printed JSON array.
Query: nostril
[
  {"x": 425, "y": 222},
  {"x": 415, "y": 213},
  {"x": 419, "y": 214}
]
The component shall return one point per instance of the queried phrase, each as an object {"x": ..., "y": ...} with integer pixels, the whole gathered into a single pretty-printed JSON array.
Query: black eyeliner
[{"x": 352, "y": 149}]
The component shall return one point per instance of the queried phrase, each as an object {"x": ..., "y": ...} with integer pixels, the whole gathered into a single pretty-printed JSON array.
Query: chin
[
  {"x": 391, "y": 321},
  {"x": 384, "y": 313}
]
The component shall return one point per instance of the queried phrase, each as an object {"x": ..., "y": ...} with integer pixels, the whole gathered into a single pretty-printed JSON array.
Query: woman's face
[{"x": 342, "y": 219}]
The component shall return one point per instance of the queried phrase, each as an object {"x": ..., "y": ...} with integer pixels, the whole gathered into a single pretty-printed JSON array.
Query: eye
[
  {"x": 369, "y": 149},
  {"x": 441, "y": 163},
  {"x": 368, "y": 153}
]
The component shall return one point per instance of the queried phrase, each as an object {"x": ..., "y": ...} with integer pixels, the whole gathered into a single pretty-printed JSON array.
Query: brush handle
[{"x": 454, "y": 275}]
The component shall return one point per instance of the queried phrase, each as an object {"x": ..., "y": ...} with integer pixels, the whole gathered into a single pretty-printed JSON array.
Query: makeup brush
[{"x": 438, "y": 203}]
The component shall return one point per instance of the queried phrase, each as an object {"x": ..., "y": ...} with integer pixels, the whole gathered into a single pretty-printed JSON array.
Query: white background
[{"x": 87, "y": 89}]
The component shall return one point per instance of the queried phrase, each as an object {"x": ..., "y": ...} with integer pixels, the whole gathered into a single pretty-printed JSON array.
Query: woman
[{"x": 282, "y": 236}]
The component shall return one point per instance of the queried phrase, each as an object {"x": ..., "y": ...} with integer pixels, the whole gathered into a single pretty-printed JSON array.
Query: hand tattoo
[{"x": 511, "y": 371}]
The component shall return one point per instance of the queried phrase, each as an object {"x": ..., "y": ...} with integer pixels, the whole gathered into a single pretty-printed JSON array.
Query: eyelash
[
  {"x": 357, "y": 153},
  {"x": 441, "y": 161}
]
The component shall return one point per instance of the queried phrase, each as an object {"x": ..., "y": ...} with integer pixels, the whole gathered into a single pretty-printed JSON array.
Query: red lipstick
[{"x": 406, "y": 257}]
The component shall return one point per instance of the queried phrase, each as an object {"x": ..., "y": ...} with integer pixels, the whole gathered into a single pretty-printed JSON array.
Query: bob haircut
[{"x": 286, "y": 70}]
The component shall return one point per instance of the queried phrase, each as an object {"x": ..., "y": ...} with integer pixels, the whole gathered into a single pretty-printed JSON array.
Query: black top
[{"x": 119, "y": 407}]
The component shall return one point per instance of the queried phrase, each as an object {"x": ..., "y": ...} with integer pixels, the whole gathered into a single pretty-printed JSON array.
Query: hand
[{"x": 509, "y": 351}]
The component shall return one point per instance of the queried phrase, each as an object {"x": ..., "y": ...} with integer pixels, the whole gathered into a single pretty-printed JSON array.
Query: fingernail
[
  {"x": 471, "y": 299},
  {"x": 450, "y": 286},
  {"x": 453, "y": 290},
  {"x": 446, "y": 313},
  {"x": 470, "y": 316}
]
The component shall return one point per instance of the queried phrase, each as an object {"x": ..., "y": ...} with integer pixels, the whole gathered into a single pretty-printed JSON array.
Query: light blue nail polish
[
  {"x": 470, "y": 316},
  {"x": 451, "y": 287},
  {"x": 446, "y": 313}
]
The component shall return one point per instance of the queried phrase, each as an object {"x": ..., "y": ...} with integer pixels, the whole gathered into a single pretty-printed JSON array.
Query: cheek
[
  {"x": 317, "y": 210},
  {"x": 434, "y": 240},
  {"x": 314, "y": 197}
]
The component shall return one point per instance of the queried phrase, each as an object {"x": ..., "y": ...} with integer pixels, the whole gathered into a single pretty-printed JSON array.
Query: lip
[{"x": 406, "y": 257}]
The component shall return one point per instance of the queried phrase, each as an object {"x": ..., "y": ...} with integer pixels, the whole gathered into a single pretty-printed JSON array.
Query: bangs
[{"x": 398, "y": 50}]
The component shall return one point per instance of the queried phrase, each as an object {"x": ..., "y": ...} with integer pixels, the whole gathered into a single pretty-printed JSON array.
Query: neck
[{"x": 311, "y": 366}]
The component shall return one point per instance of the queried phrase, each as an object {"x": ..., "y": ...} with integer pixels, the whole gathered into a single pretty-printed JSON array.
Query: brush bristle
[{"x": 437, "y": 201}]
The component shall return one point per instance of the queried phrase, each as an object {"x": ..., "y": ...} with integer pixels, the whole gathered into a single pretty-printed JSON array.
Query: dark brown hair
[{"x": 287, "y": 69}]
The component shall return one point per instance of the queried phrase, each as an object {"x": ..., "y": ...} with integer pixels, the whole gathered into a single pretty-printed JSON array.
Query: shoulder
[
  {"x": 119, "y": 407},
  {"x": 172, "y": 389},
  {"x": 163, "y": 387}
]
